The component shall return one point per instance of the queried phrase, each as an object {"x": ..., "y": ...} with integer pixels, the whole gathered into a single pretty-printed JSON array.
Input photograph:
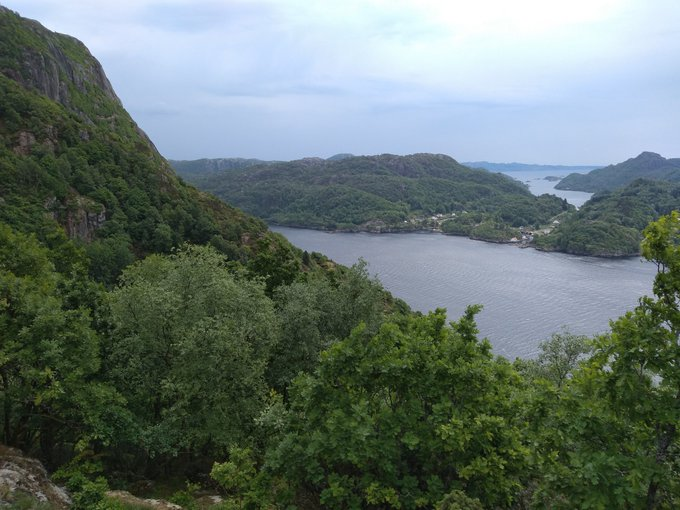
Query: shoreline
[{"x": 379, "y": 231}]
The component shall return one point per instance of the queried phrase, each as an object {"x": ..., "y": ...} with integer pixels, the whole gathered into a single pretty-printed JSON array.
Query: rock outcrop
[
  {"x": 22, "y": 477},
  {"x": 80, "y": 216},
  {"x": 130, "y": 500},
  {"x": 52, "y": 71}
]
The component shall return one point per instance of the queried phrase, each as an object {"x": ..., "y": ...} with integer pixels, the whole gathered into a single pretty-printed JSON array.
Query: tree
[
  {"x": 50, "y": 394},
  {"x": 608, "y": 437},
  {"x": 317, "y": 312},
  {"x": 189, "y": 349},
  {"x": 400, "y": 418},
  {"x": 640, "y": 369},
  {"x": 559, "y": 357}
]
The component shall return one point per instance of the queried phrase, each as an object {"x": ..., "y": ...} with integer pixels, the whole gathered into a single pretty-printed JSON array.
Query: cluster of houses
[{"x": 527, "y": 235}]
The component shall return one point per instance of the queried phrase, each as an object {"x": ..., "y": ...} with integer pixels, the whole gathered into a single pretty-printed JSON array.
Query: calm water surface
[
  {"x": 539, "y": 185},
  {"x": 527, "y": 294}
]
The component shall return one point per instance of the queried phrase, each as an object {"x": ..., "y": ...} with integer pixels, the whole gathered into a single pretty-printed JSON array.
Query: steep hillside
[
  {"x": 378, "y": 193},
  {"x": 648, "y": 165},
  {"x": 71, "y": 155},
  {"x": 610, "y": 223},
  {"x": 168, "y": 365}
]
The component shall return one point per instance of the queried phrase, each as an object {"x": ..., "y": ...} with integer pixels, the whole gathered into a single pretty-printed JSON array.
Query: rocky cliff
[
  {"x": 70, "y": 153},
  {"x": 51, "y": 68}
]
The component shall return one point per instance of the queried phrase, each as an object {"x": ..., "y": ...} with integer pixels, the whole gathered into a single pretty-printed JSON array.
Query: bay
[
  {"x": 536, "y": 180},
  {"x": 527, "y": 294}
]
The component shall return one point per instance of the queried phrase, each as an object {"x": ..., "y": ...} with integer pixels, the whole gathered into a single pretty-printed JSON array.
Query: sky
[{"x": 533, "y": 81}]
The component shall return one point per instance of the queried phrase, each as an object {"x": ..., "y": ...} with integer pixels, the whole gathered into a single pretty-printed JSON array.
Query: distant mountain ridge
[
  {"x": 647, "y": 165},
  {"x": 214, "y": 165}
]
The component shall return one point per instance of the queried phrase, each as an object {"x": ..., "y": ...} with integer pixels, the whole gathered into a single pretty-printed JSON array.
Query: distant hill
[
  {"x": 381, "y": 193},
  {"x": 648, "y": 165},
  {"x": 610, "y": 223},
  {"x": 525, "y": 167},
  {"x": 207, "y": 166},
  {"x": 338, "y": 157}
]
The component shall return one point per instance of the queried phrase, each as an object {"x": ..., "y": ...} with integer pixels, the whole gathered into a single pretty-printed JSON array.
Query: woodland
[{"x": 153, "y": 336}]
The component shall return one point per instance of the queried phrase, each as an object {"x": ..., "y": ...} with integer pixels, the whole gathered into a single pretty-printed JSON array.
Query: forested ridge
[
  {"x": 628, "y": 196},
  {"x": 647, "y": 165},
  {"x": 151, "y": 336},
  {"x": 611, "y": 222},
  {"x": 383, "y": 193}
]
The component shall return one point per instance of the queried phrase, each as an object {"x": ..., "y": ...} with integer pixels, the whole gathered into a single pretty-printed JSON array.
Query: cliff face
[
  {"x": 70, "y": 153},
  {"x": 54, "y": 66}
]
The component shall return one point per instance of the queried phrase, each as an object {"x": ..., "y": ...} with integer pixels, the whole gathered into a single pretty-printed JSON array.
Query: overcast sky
[{"x": 534, "y": 81}]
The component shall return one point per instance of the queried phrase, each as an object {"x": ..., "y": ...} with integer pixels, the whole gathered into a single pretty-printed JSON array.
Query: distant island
[{"x": 384, "y": 193}]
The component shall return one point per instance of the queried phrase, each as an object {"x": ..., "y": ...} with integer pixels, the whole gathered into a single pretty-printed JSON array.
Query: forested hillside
[
  {"x": 70, "y": 155},
  {"x": 156, "y": 340},
  {"x": 610, "y": 224},
  {"x": 83, "y": 195},
  {"x": 647, "y": 165},
  {"x": 383, "y": 193}
]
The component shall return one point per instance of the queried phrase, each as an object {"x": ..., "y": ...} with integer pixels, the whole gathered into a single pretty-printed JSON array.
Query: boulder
[{"x": 22, "y": 477}]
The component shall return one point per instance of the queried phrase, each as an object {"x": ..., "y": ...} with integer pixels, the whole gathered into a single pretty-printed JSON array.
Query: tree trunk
[{"x": 666, "y": 435}]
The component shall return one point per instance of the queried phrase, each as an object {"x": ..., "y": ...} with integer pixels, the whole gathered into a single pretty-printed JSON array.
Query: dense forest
[
  {"x": 629, "y": 196},
  {"x": 383, "y": 193},
  {"x": 647, "y": 165},
  {"x": 151, "y": 336},
  {"x": 611, "y": 223}
]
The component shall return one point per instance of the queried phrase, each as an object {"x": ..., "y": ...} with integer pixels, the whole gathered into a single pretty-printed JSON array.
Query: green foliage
[
  {"x": 189, "y": 348},
  {"x": 647, "y": 165},
  {"x": 458, "y": 500},
  {"x": 596, "y": 238},
  {"x": 368, "y": 192},
  {"x": 559, "y": 357},
  {"x": 608, "y": 437},
  {"x": 88, "y": 494},
  {"x": 315, "y": 313},
  {"x": 611, "y": 224},
  {"x": 49, "y": 355},
  {"x": 186, "y": 498},
  {"x": 401, "y": 418},
  {"x": 236, "y": 476},
  {"x": 276, "y": 261}
]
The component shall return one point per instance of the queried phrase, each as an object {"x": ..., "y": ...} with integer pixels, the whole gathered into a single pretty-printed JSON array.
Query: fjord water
[
  {"x": 538, "y": 185},
  {"x": 527, "y": 294}
]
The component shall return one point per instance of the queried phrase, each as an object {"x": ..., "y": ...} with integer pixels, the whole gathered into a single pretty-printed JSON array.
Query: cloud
[{"x": 526, "y": 80}]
